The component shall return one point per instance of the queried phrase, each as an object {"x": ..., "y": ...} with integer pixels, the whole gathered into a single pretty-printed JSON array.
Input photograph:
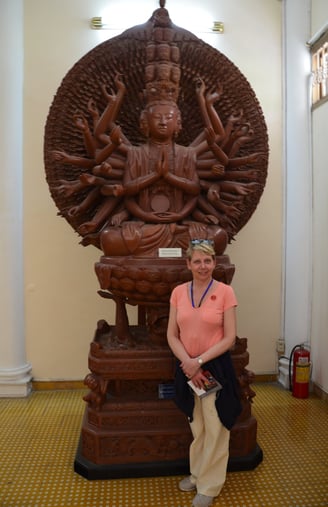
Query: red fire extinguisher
[{"x": 301, "y": 371}]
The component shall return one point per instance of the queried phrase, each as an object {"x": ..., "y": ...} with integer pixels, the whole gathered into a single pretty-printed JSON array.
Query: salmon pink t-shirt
[{"x": 202, "y": 327}]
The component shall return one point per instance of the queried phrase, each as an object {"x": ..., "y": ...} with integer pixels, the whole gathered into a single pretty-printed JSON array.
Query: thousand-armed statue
[{"x": 153, "y": 138}]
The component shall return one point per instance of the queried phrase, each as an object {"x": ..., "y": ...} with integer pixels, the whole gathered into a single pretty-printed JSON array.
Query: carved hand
[
  {"x": 200, "y": 86},
  {"x": 81, "y": 122},
  {"x": 213, "y": 96},
  {"x": 115, "y": 135}
]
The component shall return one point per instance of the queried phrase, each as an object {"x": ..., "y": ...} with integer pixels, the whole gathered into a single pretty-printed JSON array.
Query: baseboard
[
  {"x": 265, "y": 377},
  {"x": 56, "y": 385},
  {"x": 318, "y": 391}
]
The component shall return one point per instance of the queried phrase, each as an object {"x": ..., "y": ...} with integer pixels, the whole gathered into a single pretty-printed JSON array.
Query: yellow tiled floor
[{"x": 39, "y": 437}]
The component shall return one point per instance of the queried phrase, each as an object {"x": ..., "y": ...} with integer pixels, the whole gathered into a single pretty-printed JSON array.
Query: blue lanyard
[{"x": 204, "y": 293}]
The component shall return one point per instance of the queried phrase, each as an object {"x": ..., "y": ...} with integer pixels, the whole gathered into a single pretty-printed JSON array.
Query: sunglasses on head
[{"x": 202, "y": 241}]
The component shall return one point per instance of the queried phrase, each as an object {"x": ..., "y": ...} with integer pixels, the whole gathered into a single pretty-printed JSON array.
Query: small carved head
[{"x": 155, "y": 108}]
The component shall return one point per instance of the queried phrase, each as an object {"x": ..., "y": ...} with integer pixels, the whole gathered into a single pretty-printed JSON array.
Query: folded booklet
[{"x": 210, "y": 386}]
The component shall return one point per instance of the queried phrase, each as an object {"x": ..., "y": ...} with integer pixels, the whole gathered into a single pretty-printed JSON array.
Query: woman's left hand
[{"x": 199, "y": 379}]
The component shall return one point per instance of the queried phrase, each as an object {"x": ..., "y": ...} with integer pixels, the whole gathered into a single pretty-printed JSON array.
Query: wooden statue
[{"x": 153, "y": 138}]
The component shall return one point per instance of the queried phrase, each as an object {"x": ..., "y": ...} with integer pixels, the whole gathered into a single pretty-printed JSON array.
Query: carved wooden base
[
  {"x": 92, "y": 471},
  {"x": 128, "y": 430},
  {"x": 139, "y": 431}
]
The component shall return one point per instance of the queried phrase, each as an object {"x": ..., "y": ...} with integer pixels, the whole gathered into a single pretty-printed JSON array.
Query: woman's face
[{"x": 201, "y": 265}]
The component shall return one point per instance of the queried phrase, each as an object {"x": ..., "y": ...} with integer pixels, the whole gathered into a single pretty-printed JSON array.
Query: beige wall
[{"x": 62, "y": 305}]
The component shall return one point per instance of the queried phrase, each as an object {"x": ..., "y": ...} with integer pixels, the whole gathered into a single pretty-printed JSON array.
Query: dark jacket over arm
[{"x": 228, "y": 404}]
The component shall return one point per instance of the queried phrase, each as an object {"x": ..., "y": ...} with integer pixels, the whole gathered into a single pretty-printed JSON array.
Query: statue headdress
[{"x": 162, "y": 73}]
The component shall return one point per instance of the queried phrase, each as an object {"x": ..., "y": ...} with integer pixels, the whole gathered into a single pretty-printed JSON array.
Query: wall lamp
[{"x": 97, "y": 23}]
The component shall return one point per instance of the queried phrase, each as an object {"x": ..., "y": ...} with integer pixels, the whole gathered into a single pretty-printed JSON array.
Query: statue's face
[{"x": 162, "y": 121}]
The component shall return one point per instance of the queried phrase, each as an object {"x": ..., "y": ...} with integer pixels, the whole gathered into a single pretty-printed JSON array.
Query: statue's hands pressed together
[{"x": 163, "y": 164}]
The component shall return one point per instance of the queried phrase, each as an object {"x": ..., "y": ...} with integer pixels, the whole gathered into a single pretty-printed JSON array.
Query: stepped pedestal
[{"x": 129, "y": 430}]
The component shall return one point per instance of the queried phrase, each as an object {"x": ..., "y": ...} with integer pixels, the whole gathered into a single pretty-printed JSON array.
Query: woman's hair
[{"x": 205, "y": 246}]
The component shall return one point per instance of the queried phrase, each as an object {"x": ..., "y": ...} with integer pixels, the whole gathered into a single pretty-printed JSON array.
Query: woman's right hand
[{"x": 190, "y": 367}]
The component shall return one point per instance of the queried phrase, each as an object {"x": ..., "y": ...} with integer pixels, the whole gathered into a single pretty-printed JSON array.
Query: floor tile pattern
[{"x": 39, "y": 437}]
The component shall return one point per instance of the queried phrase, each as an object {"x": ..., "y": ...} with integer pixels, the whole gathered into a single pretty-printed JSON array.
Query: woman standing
[{"x": 201, "y": 330}]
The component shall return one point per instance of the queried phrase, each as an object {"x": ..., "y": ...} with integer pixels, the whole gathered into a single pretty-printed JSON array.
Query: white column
[
  {"x": 296, "y": 322},
  {"x": 15, "y": 373}
]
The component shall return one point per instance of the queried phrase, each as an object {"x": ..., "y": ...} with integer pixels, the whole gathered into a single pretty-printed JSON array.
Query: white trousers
[{"x": 209, "y": 451}]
